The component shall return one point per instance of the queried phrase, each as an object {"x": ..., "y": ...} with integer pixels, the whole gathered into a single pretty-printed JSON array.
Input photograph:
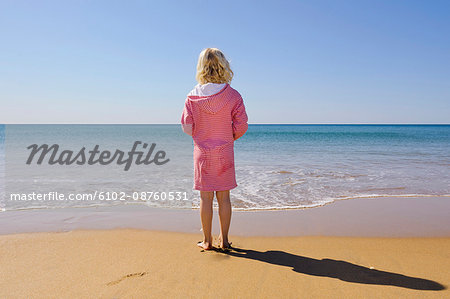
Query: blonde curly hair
[{"x": 213, "y": 67}]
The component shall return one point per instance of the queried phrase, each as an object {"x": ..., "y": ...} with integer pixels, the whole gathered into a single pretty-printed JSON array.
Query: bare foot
[
  {"x": 224, "y": 245},
  {"x": 204, "y": 245}
]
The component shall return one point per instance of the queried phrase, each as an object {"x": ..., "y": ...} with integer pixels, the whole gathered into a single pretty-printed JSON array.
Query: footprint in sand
[{"x": 139, "y": 274}]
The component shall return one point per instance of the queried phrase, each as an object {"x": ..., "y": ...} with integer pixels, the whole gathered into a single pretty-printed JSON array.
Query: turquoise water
[{"x": 277, "y": 166}]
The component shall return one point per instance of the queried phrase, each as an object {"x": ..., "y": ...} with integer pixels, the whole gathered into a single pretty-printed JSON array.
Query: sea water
[{"x": 277, "y": 166}]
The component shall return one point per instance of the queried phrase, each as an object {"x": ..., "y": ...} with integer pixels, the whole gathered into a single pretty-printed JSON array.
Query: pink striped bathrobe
[{"x": 214, "y": 122}]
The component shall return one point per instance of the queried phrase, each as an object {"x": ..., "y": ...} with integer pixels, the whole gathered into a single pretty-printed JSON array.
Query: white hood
[{"x": 207, "y": 89}]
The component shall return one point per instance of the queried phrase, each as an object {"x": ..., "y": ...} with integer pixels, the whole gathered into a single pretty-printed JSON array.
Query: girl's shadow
[{"x": 337, "y": 269}]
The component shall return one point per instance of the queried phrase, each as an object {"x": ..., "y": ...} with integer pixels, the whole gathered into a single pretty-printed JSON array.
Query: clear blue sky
[{"x": 294, "y": 61}]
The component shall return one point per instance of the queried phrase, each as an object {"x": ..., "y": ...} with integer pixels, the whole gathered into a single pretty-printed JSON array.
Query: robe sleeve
[
  {"x": 240, "y": 120},
  {"x": 187, "y": 120}
]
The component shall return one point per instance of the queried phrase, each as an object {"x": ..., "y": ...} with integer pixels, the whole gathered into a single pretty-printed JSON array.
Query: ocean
[{"x": 277, "y": 166}]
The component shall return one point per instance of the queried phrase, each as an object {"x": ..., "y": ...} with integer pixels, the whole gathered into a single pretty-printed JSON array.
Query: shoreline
[{"x": 363, "y": 217}]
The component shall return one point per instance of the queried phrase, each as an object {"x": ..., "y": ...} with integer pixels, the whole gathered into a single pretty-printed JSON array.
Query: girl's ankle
[{"x": 223, "y": 241}]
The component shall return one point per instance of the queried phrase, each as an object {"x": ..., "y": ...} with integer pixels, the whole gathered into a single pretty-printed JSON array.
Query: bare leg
[
  {"x": 223, "y": 198},
  {"x": 206, "y": 215}
]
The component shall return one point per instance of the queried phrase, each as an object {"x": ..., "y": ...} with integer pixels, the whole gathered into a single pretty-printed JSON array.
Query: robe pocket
[
  {"x": 200, "y": 157},
  {"x": 200, "y": 170},
  {"x": 227, "y": 157}
]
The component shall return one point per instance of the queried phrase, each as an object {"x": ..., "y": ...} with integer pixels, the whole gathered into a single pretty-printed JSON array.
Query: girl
[{"x": 214, "y": 115}]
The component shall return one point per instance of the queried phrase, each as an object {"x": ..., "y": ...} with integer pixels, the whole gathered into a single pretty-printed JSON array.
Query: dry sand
[{"x": 127, "y": 263}]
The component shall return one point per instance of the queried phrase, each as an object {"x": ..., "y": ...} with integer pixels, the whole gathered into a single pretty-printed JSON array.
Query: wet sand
[{"x": 368, "y": 217}]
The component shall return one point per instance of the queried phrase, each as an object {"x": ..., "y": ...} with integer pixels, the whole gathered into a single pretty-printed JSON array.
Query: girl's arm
[
  {"x": 240, "y": 120},
  {"x": 187, "y": 120}
]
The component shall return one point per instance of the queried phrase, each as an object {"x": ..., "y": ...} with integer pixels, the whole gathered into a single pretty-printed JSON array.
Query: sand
[
  {"x": 378, "y": 248},
  {"x": 362, "y": 217},
  {"x": 129, "y": 263}
]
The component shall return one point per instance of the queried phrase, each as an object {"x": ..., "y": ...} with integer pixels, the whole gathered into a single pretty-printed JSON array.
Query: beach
[
  {"x": 322, "y": 126},
  {"x": 389, "y": 248},
  {"x": 321, "y": 211}
]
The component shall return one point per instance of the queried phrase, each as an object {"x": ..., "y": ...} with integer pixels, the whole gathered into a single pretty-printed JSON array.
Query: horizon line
[{"x": 248, "y": 124}]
